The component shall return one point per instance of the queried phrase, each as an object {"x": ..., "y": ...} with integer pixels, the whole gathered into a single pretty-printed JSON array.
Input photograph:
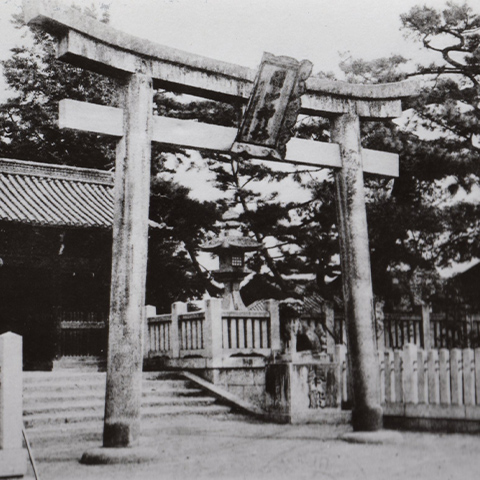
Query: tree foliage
[
  {"x": 29, "y": 120},
  {"x": 29, "y": 131},
  {"x": 419, "y": 221}
]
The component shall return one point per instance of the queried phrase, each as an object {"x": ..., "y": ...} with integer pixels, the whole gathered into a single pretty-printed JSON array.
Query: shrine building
[{"x": 55, "y": 258}]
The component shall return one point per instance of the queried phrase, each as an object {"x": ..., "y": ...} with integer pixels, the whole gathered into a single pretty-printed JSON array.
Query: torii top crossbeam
[{"x": 87, "y": 43}]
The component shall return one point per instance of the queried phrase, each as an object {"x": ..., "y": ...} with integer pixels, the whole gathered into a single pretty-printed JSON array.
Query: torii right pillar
[{"x": 367, "y": 414}]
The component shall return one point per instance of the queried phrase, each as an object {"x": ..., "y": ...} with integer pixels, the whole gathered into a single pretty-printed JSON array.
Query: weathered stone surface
[
  {"x": 435, "y": 411},
  {"x": 94, "y": 45},
  {"x": 375, "y": 438},
  {"x": 113, "y": 456},
  {"x": 129, "y": 263},
  {"x": 187, "y": 133},
  {"x": 357, "y": 282},
  {"x": 303, "y": 393}
]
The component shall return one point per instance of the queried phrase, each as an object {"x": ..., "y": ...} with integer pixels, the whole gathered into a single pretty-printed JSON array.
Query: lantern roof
[
  {"x": 231, "y": 242},
  {"x": 231, "y": 238}
]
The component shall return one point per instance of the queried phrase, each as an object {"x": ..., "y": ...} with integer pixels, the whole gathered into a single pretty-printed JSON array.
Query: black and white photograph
[{"x": 239, "y": 239}]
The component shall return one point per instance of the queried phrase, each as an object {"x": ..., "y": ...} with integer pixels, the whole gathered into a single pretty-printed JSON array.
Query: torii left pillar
[
  {"x": 129, "y": 265},
  {"x": 121, "y": 435}
]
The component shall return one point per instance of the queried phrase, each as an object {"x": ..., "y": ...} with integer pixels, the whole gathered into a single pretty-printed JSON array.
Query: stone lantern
[{"x": 231, "y": 246}]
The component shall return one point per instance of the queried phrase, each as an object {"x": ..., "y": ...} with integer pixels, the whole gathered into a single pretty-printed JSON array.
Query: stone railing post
[
  {"x": 212, "y": 329},
  {"x": 12, "y": 455},
  {"x": 272, "y": 307},
  {"x": 426, "y": 309},
  {"x": 329, "y": 313},
  {"x": 341, "y": 361},
  {"x": 178, "y": 308},
  {"x": 150, "y": 311}
]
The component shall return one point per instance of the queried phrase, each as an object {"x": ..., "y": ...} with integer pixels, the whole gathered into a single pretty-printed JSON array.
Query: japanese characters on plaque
[{"x": 272, "y": 111}]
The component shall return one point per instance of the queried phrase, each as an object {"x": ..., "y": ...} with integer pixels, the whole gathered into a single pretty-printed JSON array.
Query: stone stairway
[{"x": 69, "y": 406}]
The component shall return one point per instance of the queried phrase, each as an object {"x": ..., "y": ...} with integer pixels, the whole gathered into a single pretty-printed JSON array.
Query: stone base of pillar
[
  {"x": 367, "y": 419},
  {"x": 112, "y": 456},
  {"x": 120, "y": 434},
  {"x": 374, "y": 438}
]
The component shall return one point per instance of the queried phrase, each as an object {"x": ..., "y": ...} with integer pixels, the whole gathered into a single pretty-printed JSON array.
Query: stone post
[
  {"x": 433, "y": 377},
  {"x": 468, "y": 376},
  {"x": 342, "y": 382},
  {"x": 456, "y": 376},
  {"x": 213, "y": 329},
  {"x": 444, "y": 366},
  {"x": 129, "y": 264},
  {"x": 329, "y": 313},
  {"x": 477, "y": 372},
  {"x": 272, "y": 307},
  {"x": 426, "y": 309},
  {"x": 367, "y": 413},
  {"x": 410, "y": 373},
  {"x": 178, "y": 308},
  {"x": 150, "y": 311},
  {"x": 12, "y": 455}
]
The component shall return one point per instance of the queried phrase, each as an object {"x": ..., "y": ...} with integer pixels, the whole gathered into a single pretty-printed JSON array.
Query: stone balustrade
[{"x": 212, "y": 333}]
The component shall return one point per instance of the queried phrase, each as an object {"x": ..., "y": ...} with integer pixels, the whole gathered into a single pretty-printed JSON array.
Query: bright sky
[{"x": 239, "y": 31}]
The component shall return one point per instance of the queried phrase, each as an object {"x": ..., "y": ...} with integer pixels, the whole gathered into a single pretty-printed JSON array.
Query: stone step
[
  {"x": 38, "y": 397},
  {"x": 62, "y": 418},
  {"x": 63, "y": 384},
  {"x": 80, "y": 376},
  {"x": 83, "y": 363},
  {"x": 98, "y": 404},
  {"x": 39, "y": 377}
]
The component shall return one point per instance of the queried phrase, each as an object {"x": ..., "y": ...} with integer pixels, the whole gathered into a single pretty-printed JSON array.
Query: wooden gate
[{"x": 82, "y": 334}]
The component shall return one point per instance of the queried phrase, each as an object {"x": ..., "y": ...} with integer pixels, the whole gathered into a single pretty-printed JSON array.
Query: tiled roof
[{"x": 55, "y": 195}]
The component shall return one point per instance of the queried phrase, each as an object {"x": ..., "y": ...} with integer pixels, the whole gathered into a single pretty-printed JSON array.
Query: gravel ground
[{"x": 234, "y": 447}]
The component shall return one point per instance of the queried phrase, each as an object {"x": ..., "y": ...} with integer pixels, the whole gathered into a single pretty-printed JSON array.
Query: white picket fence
[
  {"x": 442, "y": 384},
  {"x": 414, "y": 383},
  {"x": 436, "y": 377}
]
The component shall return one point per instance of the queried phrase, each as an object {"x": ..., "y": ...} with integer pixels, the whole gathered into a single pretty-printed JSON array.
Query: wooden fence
[
  {"x": 424, "y": 329},
  {"x": 400, "y": 329}
]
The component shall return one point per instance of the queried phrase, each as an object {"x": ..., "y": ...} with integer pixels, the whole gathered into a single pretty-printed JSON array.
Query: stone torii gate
[{"x": 141, "y": 66}]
